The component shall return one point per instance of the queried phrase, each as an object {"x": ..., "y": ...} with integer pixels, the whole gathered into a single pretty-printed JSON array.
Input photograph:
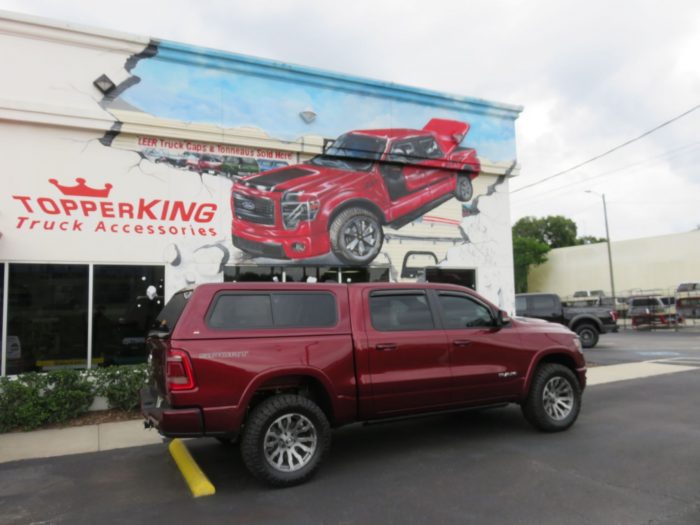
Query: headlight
[
  {"x": 577, "y": 344},
  {"x": 297, "y": 207}
]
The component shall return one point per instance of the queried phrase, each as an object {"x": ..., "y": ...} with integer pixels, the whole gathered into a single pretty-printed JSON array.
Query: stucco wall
[{"x": 652, "y": 263}]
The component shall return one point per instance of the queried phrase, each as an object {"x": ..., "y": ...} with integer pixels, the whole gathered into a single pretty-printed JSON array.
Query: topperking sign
[{"x": 81, "y": 208}]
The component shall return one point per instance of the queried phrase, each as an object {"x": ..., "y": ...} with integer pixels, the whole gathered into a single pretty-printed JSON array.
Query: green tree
[
  {"x": 555, "y": 231},
  {"x": 527, "y": 252},
  {"x": 590, "y": 239}
]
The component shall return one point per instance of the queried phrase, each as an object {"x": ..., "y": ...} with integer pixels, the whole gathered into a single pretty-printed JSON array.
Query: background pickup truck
[
  {"x": 280, "y": 364},
  {"x": 587, "y": 321}
]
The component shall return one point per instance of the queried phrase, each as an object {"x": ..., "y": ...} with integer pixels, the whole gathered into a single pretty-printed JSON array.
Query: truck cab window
[
  {"x": 401, "y": 312},
  {"x": 460, "y": 311}
]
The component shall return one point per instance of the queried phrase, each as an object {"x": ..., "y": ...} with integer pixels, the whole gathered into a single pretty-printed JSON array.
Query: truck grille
[{"x": 254, "y": 209}]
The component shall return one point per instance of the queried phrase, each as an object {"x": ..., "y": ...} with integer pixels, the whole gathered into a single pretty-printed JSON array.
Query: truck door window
[
  {"x": 400, "y": 312},
  {"x": 460, "y": 311}
]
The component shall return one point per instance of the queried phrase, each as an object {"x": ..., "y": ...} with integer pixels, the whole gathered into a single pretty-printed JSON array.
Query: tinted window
[
  {"x": 400, "y": 312},
  {"x": 168, "y": 317},
  {"x": 47, "y": 317},
  {"x": 241, "y": 311},
  {"x": 645, "y": 301},
  {"x": 543, "y": 303},
  {"x": 303, "y": 310},
  {"x": 460, "y": 311}
]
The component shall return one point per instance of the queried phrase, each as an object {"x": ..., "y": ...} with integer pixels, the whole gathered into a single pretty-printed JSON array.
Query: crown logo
[{"x": 82, "y": 190}]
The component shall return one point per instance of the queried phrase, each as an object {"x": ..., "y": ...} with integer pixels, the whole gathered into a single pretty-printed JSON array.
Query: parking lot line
[{"x": 196, "y": 479}]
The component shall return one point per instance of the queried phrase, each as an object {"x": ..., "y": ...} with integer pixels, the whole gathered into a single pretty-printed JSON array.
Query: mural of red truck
[{"x": 338, "y": 201}]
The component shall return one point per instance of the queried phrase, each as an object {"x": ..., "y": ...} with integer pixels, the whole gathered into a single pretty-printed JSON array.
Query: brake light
[{"x": 178, "y": 371}]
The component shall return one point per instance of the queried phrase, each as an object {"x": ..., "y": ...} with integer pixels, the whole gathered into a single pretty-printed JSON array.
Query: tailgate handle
[
  {"x": 386, "y": 346},
  {"x": 461, "y": 342}
]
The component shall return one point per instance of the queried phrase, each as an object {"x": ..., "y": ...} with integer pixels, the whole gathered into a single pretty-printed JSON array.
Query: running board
[{"x": 373, "y": 422}]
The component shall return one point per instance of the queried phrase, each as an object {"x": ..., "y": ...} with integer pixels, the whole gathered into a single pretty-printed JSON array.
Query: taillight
[
  {"x": 615, "y": 315},
  {"x": 178, "y": 371}
]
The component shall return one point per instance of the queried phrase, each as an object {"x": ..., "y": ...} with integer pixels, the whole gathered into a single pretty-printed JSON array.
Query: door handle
[
  {"x": 384, "y": 347},
  {"x": 461, "y": 342}
]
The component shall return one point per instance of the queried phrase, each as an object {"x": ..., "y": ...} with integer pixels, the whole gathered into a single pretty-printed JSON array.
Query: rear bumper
[{"x": 171, "y": 422}]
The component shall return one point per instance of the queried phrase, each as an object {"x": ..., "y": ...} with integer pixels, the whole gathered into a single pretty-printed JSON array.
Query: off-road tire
[
  {"x": 588, "y": 334},
  {"x": 341, "y": 235},
  {"x": 262, "y": 418},
  {"x": 534, "y": 405},
  {"x": 464, "y": 190}
]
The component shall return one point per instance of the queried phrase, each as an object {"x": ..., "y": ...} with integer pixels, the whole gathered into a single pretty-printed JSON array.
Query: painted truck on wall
[{"x": 338, "y": 201}]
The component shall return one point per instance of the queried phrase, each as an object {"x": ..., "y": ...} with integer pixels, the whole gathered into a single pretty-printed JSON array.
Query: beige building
[{"x": 656, "y": 264}]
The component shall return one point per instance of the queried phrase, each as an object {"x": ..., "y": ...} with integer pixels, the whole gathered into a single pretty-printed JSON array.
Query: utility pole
[{"x": 607, "y": 236}]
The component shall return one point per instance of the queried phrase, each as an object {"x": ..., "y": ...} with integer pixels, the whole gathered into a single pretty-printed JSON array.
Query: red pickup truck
[
  {"x": 281, "y": 364},
  {"x": 339, "y": 201}
]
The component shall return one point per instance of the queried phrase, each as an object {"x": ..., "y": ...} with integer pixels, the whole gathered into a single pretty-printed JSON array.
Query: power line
[
  {"x": 610, "y": 150},
  {"x": 667, "y": 155}
]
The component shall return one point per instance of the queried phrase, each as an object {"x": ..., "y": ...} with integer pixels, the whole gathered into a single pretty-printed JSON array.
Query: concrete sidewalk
[
  {"x": 75, "y": 440},
  {"x": 107, "y": 436}
]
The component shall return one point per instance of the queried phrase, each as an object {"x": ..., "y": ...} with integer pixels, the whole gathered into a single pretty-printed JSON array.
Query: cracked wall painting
[{"x": 214, "y": 159}]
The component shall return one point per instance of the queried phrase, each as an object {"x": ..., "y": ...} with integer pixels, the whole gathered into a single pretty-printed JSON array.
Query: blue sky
[{"x": 202, "y": 91}]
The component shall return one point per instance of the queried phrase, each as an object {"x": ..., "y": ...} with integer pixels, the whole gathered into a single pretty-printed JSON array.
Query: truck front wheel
[
  {"x": 284, "y": 440},
  {"x": 356, "y": 236},
  {"x": 464, "y": 189},
  {"x": 554, "y": 400},
  {"x": 588, "y": 334}
]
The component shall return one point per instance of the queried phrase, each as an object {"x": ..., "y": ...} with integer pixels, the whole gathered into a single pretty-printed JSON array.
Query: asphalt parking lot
[
  {"x": 632, "y": 458},
  {"x": 630, "y": 345}
]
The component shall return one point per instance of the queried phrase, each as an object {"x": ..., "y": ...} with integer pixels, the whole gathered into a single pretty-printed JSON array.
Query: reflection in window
[
  {"x": 47, "y": 317},
  {"x": 463, "y": 312},
  {"x": 392, "y": 313},
  {"x": 126, "y": 301}
]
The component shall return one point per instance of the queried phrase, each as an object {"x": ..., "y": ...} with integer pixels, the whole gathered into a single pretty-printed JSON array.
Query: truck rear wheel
[
  {"x": 356, "y": 236},
  {"x": 284, "y": 440},
  {"x": 464, "y": 189},
  {"x": 554, "y": 400},
  {"x": 588, "y": 334}
]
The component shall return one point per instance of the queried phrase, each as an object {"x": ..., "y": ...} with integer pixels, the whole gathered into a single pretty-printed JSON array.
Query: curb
[{"x": 194, "y": 477}]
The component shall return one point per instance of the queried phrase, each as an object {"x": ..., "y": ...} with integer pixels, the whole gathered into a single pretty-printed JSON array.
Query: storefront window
[
  {"x": 365, "y": 275},
  {"x": 47, "y": 317},
  {"x": 252, "y": 273},
  {"x": 126, "y": 300}
]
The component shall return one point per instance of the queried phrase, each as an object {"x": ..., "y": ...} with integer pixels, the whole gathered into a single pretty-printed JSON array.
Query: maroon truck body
[{"x": 361, "y": 373}]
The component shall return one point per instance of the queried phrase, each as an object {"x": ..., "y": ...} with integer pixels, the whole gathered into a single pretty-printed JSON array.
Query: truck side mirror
[{"x": 502, "y": 318}]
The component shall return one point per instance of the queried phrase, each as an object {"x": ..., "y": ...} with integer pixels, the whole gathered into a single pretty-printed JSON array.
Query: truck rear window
[
  {"x": 253, "y": 311},
  {"x": 170, "y": 314}
]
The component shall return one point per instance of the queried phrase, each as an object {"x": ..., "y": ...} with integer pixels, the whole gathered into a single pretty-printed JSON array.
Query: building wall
[
  {"x": 103, "y": 217},
  {"x": 652, "y": 263},
  {"x": 178, "y": 99}
]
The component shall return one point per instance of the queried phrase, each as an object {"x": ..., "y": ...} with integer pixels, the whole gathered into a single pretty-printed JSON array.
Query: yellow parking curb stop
[{"x": 196, "y": 479}]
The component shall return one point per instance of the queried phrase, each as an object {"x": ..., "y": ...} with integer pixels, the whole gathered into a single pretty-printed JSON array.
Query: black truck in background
[{"x": 587, "y": 321}]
